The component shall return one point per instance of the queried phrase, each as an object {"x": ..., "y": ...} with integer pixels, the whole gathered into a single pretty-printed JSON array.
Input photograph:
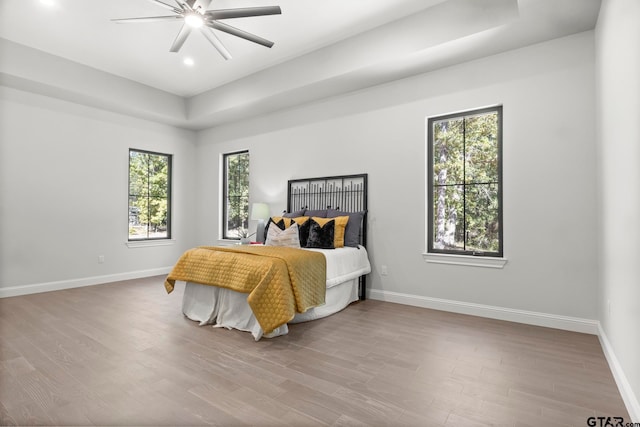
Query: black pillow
[
  {"x": 321, "y": 237},
  {"x": 303, "y": 232},
  {"x": 352, "y": 232}
]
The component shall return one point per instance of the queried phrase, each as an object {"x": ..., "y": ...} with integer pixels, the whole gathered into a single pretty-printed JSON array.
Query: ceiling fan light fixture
[
  {"x": 195, "y": 15},
  {"x": 194, "y": 20}
]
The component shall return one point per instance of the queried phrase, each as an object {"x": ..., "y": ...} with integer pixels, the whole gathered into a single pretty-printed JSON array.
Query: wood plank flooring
[{"x": 123, "y": 354}]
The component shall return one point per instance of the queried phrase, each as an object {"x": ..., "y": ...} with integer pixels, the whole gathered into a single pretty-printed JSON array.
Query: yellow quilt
[{"x": 280, "y": 281}]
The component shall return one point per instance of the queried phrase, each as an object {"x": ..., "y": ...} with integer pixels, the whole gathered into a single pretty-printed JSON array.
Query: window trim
[
  {"x": 465, "y": 260},
  {"x": 132, "y": 242},
  {"x": 450, "y": 256},
  {"x": 140, "y": 243},
  {"x": 225, "y": 191}
]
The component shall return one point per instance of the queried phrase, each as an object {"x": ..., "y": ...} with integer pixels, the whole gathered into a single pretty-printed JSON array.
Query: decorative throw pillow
[
  {"x": 287, "y": 237},
  {"x": 340, "y": 224},
  {"x": 281, "y": 222},
  {"x": 352, "y": 232},
  {"x": 341, "y": 227},
  {"x": 321, "y": 233},
  {"x": 304, "y": 222}
]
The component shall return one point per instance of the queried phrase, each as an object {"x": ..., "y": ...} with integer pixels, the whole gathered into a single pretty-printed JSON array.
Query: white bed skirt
[{"x": 224, "y": 308}]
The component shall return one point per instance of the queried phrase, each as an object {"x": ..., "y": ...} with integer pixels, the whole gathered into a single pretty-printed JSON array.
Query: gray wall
[
  {"x": 549, "y": 173},
  {"x": 63, "y": 193},
  {"x": 618, "y": 84}
]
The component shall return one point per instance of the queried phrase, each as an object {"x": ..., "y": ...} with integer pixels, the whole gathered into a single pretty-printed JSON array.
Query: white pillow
[{"x": 288, "y": 237}]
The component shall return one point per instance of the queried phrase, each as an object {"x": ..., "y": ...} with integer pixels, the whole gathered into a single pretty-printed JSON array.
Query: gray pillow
[
  {"x": 320, "y": 213},
  {"x": 295, "y": 214},
  {"x": 352, "y": 232}
]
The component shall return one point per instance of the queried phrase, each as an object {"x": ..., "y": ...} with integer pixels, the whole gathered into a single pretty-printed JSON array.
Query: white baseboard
[
  {"x": 14, "y": 291},
  {"x": 574, "y": 324},
  {"x": 629, "y": 397}
]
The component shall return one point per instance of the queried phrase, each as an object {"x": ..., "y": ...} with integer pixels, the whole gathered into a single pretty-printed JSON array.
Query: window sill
[
  {"x": 465, "y": 260},
  {"x": 149, "y": 243},
  {"x": 228, "y": 242}
]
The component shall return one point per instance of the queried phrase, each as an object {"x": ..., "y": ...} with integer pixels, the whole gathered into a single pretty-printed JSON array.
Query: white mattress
[
  {"x": 345, "y": 264},
  {"x": 229, "y": 309}
]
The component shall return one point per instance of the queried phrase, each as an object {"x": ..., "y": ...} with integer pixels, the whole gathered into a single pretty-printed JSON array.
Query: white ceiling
[
  {"x": 322, "y": 48},
  {"x": 82, "y": 31}
]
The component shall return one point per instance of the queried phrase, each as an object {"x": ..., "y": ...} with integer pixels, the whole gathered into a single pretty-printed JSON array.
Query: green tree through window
[
  {"x": 465, "y": 183},
  {"x": 149, "y": 195},
  {"x": 236, "y": 194}
]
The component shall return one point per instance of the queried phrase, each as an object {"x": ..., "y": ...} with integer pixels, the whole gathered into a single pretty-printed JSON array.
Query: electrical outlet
[
  {"x": 383, "y": 270},
  {"x": 100, "y": 259}
]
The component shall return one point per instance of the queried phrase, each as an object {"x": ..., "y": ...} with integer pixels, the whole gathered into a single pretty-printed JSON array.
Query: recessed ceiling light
[
  {"x": 49, "y": 3},
  {"x": 189, "y": 62}
]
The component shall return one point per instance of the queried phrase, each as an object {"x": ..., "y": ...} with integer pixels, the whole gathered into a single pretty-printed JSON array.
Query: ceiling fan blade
[
  {"x": 215, "y": 41},
  {"x": 166, "y": 6},
  {"x": 181, "y": 38},
  {"x": 183, "y": 5},
  {"x": 239, "y": 33},
  {"x": 202, "y": 4},
  {"x": 147, "y": 19},
  {"x": 243, "y": 12}
]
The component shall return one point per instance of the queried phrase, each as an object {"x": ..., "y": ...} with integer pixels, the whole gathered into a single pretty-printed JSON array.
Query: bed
[{"x": 335, "y": 279}]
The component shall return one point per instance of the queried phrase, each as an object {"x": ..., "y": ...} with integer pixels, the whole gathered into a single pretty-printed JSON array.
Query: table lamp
[{"x": 260, "y": 212}]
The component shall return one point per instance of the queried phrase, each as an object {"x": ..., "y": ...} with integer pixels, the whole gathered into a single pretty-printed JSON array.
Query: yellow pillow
[
  {"x": 287, "y": 221},
  {"x": 300, "y": 219}
]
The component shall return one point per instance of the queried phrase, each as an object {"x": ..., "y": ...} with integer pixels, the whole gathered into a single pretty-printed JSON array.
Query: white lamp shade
[{"x": 259, "y": 211}]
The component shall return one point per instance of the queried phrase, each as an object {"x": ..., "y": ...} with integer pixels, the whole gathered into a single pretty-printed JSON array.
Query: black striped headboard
[{"x": 346, "y": 193}]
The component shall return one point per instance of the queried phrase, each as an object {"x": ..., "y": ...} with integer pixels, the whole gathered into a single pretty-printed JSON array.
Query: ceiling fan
[{"x": 195, "y": 15}]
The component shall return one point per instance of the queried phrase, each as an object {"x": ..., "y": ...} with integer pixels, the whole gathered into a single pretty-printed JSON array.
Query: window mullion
[
  {"x": 148, "y": 195},
  {"x": 464, "y": 182}
]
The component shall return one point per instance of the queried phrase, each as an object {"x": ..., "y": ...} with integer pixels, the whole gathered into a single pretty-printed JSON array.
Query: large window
[
  {"x": 149, "y": 195},
  {"x": 235, "y": 194},
  {"x": 465, "y": 183}
]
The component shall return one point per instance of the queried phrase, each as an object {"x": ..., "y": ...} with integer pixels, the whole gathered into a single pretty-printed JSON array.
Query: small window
[
  {"x": 149, "y": 195},
  {"x": 235, "y": 194},
  {"x": 465, "y": 183}
]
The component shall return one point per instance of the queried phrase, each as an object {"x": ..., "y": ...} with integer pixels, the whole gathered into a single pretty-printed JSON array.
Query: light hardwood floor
[{"x": 123, "y": 354}]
